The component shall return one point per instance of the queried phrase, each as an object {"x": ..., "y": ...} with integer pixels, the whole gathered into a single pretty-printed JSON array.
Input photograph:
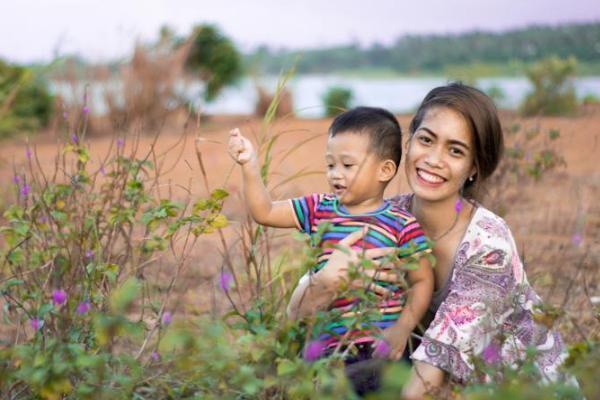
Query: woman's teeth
[{"x": 429, "y": 177}]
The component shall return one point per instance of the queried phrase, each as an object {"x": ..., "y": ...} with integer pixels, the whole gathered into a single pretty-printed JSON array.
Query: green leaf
[
  {"x": 286, "y": 367},
  {"x": 123, "y": 297},
  {"x": 219, "y": 194}
]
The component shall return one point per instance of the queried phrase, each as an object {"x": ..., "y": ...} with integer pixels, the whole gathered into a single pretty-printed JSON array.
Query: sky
[{"x": 99, "y": 30}]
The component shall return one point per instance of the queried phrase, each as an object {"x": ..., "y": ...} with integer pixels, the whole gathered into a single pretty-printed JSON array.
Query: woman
[{"x": 483, "y": 304}]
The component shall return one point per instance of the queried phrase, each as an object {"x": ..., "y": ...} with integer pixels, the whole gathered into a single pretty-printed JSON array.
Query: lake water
[{"x": 395, "y": 94}]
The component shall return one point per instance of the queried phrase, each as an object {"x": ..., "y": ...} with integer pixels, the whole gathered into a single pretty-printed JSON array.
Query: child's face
[{"x": 353, "y": 171}]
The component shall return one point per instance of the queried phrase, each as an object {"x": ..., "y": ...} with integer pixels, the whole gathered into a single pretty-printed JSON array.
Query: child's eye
[
  {"x": 348, "y": 165},
  {"x": 330, "y": 166}
]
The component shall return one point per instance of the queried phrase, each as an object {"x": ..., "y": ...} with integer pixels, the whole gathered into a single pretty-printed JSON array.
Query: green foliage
[
  {"x": 25, "y": 103},
  {"x": 215, "y": 58},
  {"x": 336, "y": 100},
  {"x": 553, "y": 92},
  {"x": 590, "y": 99}
]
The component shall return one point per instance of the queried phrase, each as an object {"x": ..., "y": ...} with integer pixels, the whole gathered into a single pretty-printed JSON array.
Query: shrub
[
  {"x": 336, "y": 100},
  {"x": 553, "y": 92},
  {"x": 25, "y": 102}
]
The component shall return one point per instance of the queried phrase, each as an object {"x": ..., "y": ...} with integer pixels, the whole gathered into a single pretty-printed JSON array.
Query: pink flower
[
  {"x": 28, "y": 153},
  {"x": 16, "y": 179},
  {"x": 102, "y": 170},
  {"x": 167, "y": 317},
  {"x": 90, "y": 254},
  {"x": 225, "y": 279},
  {"x": 120, "y": 142},
  {"x": 65, "y": 114},
  {"x": 36, "y": 323},
  {"x": 577, "y": 239},
  {"x": 74, "y": 138},
  {"x": 83, "y": 307},
  {"x": 86, "y": 109},
  {"x": 59, "y": 296},
  {"x": 313, "y": 350},
  {"x": 491, "y": 353},
  {"x": 155, "y": 356},
  {"x": 25, "y": 189},
  {"x": 382, "y": 348}
]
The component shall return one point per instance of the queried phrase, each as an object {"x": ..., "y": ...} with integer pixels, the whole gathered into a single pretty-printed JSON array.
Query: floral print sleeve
[{"x": 489, "y": 304}]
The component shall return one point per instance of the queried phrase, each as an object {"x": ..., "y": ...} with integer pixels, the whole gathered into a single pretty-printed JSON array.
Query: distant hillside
[{"x": 434, "y": 53}]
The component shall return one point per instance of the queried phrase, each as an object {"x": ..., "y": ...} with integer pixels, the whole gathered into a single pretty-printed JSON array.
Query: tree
[
  {"x": 553, "y": 91},
  {"x": 215, "y": 58}
]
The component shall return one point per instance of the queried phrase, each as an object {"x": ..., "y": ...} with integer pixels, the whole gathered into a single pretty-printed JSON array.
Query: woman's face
[{"x": 440, "y": 155}]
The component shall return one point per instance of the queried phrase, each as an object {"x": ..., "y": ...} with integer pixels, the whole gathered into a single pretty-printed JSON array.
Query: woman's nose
[{"x": 434, "y": 157}]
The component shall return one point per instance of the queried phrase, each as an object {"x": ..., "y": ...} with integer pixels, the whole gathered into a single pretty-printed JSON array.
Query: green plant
[
  {"x": 336, "y": 99},
  {"x": 25, "y": 102},
  {"x": 553, "y": 92}
]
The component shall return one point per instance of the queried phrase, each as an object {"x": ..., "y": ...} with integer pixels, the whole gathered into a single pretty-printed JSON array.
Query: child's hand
[{"x": 240, "y": 148}]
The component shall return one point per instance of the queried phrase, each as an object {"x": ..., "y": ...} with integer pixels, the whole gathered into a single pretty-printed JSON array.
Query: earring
[{"x": 471, "y": 178}]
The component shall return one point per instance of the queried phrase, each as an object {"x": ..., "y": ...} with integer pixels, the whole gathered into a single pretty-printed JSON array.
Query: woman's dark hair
[
  {"x": 383, "y": 129},
  {"x": 481, "y": 115}
]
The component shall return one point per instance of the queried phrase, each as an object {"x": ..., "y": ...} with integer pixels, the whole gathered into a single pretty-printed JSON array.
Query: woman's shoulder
[{"x": 489, "y": 225}]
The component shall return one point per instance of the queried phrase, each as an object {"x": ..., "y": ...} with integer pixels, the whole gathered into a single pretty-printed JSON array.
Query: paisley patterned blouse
[{"x": 487, "y": 306}]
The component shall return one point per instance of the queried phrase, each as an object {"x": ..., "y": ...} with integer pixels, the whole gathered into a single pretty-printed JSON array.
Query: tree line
[{"x": 431, "y": 53}]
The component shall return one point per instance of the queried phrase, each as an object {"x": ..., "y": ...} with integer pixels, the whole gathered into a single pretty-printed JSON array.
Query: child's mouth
[{"x": 339, "y": 189}]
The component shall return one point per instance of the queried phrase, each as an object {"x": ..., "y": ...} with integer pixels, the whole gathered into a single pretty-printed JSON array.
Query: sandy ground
[{"x": 544, "y": 215}]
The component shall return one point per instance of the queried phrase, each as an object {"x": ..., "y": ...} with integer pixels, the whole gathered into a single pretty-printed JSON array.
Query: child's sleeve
[
  {"x": 304, "y": 211},
  {"x": 412, "y": 241}
]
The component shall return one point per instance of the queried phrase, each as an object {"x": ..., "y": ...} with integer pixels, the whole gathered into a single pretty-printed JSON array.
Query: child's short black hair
[{"x": 384, "y": 131}]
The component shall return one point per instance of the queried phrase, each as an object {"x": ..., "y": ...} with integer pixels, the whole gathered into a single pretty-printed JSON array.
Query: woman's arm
[
  {"x": 422, "y": 377},
  {"x": 419, "y": 297}
]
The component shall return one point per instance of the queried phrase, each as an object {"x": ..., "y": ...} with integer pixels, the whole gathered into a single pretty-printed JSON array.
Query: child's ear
[{"x": 387, "y": 170}]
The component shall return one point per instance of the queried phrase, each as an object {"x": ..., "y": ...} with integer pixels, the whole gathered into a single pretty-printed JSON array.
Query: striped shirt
[{"x": 388, "y": 226}]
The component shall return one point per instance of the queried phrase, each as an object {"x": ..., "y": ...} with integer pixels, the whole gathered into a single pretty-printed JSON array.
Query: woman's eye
[
  {"x": 424, "y": 139},
  {"x": 456, "y": 152}
]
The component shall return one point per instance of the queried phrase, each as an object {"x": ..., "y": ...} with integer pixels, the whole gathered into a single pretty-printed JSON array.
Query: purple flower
[
  {"x": 167, "y": 317},
  {"x": 155, "y": 356},
  {"x": 577, "y": 239},
  {"x": 90, "y": 254},
  {"x": 28, "y": 153},
  {"x": 313, "y": 350},
  {"x": 36, "y": 323},
  {"x": 225, "y": 279},
  {"x": 59, "y": 296},
  {"x": 458, "y": 206},
  {"x": 102, "y": 170},
  {"x": 16, "y": 179},
  {"x": 120, "y": 142},
  {"x": 65, "y": 114},
  {"x": 382, "y": 348},
  {"x": 74, "y": 138},
  {"x": 25, "y": 189},
  {"x": 86, "y": 109},
  {"x": 83, "y": 307},
  {"x": 491, "y": 354},
  {"x": 43, "y": 218}
]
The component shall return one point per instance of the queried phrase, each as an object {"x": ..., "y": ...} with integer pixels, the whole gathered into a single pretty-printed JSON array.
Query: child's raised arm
[{"x": 277, "y": 214}]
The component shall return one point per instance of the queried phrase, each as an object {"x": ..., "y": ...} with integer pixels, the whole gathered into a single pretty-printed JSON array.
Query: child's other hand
[{"x": 240, "y": 148}]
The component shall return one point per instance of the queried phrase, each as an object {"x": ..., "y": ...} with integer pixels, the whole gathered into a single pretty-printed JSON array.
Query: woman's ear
[{"x": 387, "y": 170}]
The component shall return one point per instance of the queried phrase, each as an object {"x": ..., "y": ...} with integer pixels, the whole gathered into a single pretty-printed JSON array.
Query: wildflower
[
  {"x": 59, "y": 296},
  {"x": 16, "y": 179},
  {"x": 577, "y": 239},
  {"x": 102, "y": 170},
  {"x": 36, "y": 323},
  {"x": 86, "y": 109},
  {"x": 28, "y": 153},
  {"x": 155, "y": 356},
  {"x": 458, "y": 205},
  {"x": 167, "y": 317},
  {"x": 225, "y": 279},
  {"x": 491, "y": 354},
  {"x": 120, "y": 142},
  {"x": 90, "y": 254},
  {"x": 25, "y": 189},
  {"x": 313, "y": 350},
  {"x": 382, "y": 348},
  {"x": 65, "y": 114},
  {"x": 83, "y": 307},
  {"x": 74, "y": 138}
]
